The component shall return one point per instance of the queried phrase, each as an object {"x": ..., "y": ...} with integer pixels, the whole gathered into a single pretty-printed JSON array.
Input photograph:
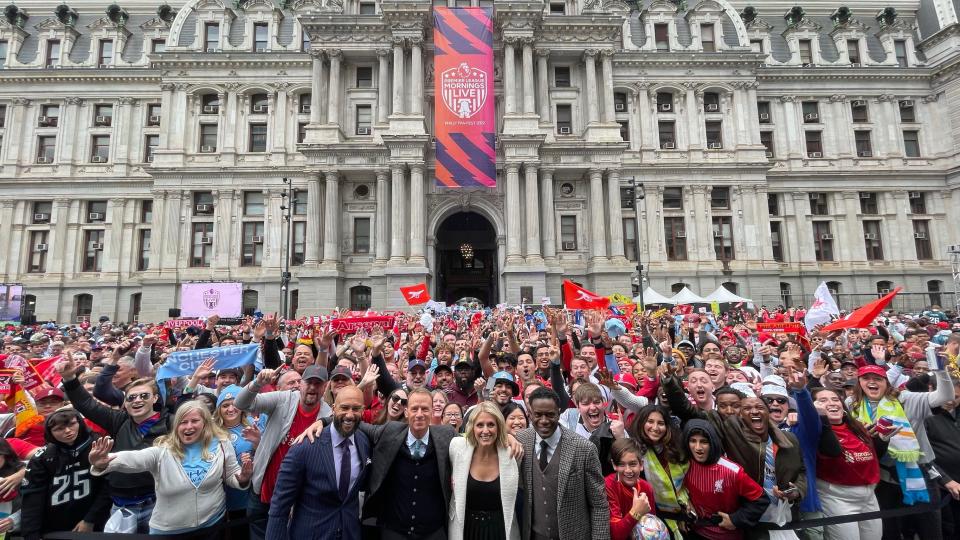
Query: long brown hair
[
  {"x": 382, "y": 417},
  {"x": 859, "y": 396},
  {"x": 852, "y": 423},
  {"x": 669, "y": 444}
]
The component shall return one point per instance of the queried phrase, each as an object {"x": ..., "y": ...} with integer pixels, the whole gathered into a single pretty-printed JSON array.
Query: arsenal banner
[{"x": 464, "y": 123}]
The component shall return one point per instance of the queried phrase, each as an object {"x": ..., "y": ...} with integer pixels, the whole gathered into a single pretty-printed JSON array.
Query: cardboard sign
[
  {"x": 184, "y": 323},
  {"x": 782, "y": 327}
]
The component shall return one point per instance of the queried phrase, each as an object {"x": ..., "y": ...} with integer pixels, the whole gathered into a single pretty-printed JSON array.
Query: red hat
[
  {"x": 626, "y": 379},
  {"x": 871, "y": 370},
  {"x": 49, "y": 392},
  {"x": 943, "y": 325}
]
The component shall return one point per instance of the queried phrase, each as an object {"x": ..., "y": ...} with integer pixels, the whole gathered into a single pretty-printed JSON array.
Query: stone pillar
[
  {"x": 509, "y": 77},
  {"x": 693, "y": 116},
  {"x": 69, "y": 113},
  {"x": 754, "y": 127},
  {"x": 543, "y": 84},
  {"x": 316, "y": 84},
  {"x": 590, "y": 92},
  {"x": 598, "y": 237},
  {"x": 887, "y": 140},
  {"x": 223, "y": 225},
  {"x": 416, "y": 76},
  {"x": 806, "y": 251},
  {"x": 170, "y": 258},
  {"x": 615, "y": 214},
  {"x": 383, "y": 85},
  {"x": 314, "y": 221},
  {"x": 653, "y": 236},
  {"x": 397, "y": 213},
  {"x": 547, "y": 214},
  {"x": 702, "y": 222},
  {"x": 785, "y": 140},
  {"x": 398, "y": 85},
  {"x": 609, "y": 112},
  {"x": 279, "y": 107},
  {"x": 533, "y": 217},
  {"x": 333, "y": 107},
  {"x": 6, "y": 254},
  {"x": 383, "y": 216},
  {"x": 900, "y": 231},
  {"x": 418, "y": 210},
  {"x": 839, "y": 135},
  {"x": 274, "y": 228},
  {"x": 529, "y": 101},
  {"x": 228, "y": 124},
  {"x": 645, "y": 119},
  {"x": 513, "y": 212},
  {"x": 331, "y": 220},
  {"x": 57, "y": 244},
  {"x": 854, "y": 229}
]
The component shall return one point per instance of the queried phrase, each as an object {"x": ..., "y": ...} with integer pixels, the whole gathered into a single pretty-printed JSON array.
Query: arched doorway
[{"x": 466, "y": 245}]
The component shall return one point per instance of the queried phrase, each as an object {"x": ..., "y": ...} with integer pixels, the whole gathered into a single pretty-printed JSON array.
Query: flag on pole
[
  {"x": 576, "y": 297},
  {"x": 823, "y": 310},
  {"x": 864, "y": 315},
  {"x": 415, "y": 294}
]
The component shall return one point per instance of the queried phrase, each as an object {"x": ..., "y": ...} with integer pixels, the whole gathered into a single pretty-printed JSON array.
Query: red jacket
[{"x": 620, "y": 499}]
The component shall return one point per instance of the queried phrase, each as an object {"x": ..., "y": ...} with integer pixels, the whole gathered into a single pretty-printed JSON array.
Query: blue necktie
[
  {"x": 769, "y": 470},
  {"x": 418, "y": 449},
  {"x": 344, "y": 468}
]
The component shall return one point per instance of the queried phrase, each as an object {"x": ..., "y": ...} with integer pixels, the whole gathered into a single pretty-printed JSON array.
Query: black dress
[{"x": 484, "y": 516}]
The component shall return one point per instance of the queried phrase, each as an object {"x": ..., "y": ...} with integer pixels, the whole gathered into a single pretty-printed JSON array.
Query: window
[
  {"x": 814, "y": 144},
  {"x": 806, "y": 52},
  {"x": 298, "y": 254},
  {"x": 862, "y": 140},
  {"x": 900, "y": 50},
  {"x": 146, "y": 211},
  {"x": 3, "y": 114},
  {"x": 46, "y": 148},
  {"x": 100, "y": 149},
  {"x": 884, "y": 287},
  {"x": 143, "y": 250},
  {"x": 364, "y": 77},
  {"x": 258, "y": 138},
  {"x": 711, "y": 102},
  {"x": 667, "y": 135},
  {"x": 773, "y": 204},
  {"x": 853, "y": 50},
  {"x": 714, "y": 132},
  {"x": 661, "y": 36},
  {"x": 136, "y": 300},
  {"x": 96, "y": 211},
  {"x": 150, "y": 144},
  {"x": 675, "y": 238},
  {"x": 93, "y": 249},
  {"x": 673, "y": 198},
  {"x": 872, "y": 240},
  {"x": 261, "y": 37},
  {"x": 208, "y": 138},
  {"x": 3, "y": 53},
  {"x": 300, "y": 202},
  {"x": 53, "y": 52},
  {"x": 763, "y": 112},
  {"x": 83, "y": 306},
  {"x": 907, "y": 111},
  {"x": 210, "y": 103},
  {"x": 558, "y": 8},
  {"x": 259, "y": 104},
  {"x": 38, "y": 252},
  {"x": 202, "y": 250},
  {"x": 253, "y": 203},
  {"x": 249, "y": 302},
  {"x": 720, "y": 198},
  {"x": 677, "y": 287},
  {"x": 934, "y": 287},
  {"x": 723, "y": 238},
  {"x": 822, "y": 241},
  {"x": 630, "y": 238},
  {"x": 158, "y": 46},
  {"x": 731, "y": 286},
  {"x": 818, "y": 204},
  {"x": 361, "y": 235},
  {"x": 918, "y": 202},
  {"x": 868, "y": 203},
  {"x": 776, "y": 241},
  {"x": 568, "y": 233},
  {"x": 49, "y": 115},
  {"x": 303, "y": 103},
  {"x": 561, "y": 76},
  {"x": 858, "y": 109},
  {"x": 304, "y": 41},
  {"x": 664, "y": 102},
  {"x": 202, "y": 203},
  {"x": 756, "y": 45},
  {"x": 105, "y": 55},
  {"x": 102, "y": 115},
  {"x": 706, "y": 37},
  {"x": 29, "y": 305},
  {"x": 921, "y": 238},
  {"x": 911, "y": 143},
  {"x": 624, "y": 129},
  {"x": 620, "y": 102},
  {"x": 564, "y": 120},
  {"x": 364, "y": 119},
  {"x": 360, "y": 298},
  {"x": 153, "y": 114},
  {"x": 834, "y": 288},
  {"x": 252, "y": 248},
  {"x": 766, "y": 139},
  {"x": 785, "y": 294},
  {"x": 41, "y": 212},
  {"x": 811, "y": 112},
  {"x": 301, "y": 132},
  {"x": 211, "y": 36},
  {"x": 368, "y": 8}
]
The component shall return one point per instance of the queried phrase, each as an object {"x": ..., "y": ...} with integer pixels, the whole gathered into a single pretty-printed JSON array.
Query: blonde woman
[
  {"x": 439, "y": 404},
  {"x": 189, "y": 466},
  {"x": 485, "y": 480}
]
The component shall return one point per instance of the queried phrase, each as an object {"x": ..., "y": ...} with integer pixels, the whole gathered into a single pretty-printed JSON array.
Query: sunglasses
[
  {"x": 779, "y": 400},
  {"x": 398, "y": 399},
  {"x": 142, "y": 397}
]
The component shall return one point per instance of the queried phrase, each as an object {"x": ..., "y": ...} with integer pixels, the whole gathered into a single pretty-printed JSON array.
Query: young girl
[
  {"x": 664, "y": 461},
  {"x": 628, "y": 494}
]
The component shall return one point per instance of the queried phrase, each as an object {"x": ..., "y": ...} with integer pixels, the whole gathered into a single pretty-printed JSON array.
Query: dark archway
[{"x": 466, "y": 245}]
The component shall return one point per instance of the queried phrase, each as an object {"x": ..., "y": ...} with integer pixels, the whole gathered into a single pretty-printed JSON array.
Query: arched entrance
[{"x": 466, "y": 262}]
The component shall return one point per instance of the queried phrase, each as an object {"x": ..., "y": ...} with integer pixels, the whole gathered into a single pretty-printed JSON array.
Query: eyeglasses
[
  {"x": 780, "y": 400},
  {"x": 398, "y": 399},
  {"x": 142, "y": 397},
  {"x": 452, "y": 415}
]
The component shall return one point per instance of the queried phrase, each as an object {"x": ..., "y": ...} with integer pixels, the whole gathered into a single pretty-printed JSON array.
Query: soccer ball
[{"x": 651, "y": 528}]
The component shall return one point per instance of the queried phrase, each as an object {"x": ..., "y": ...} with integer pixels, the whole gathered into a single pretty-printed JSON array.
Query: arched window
[
  {"x": 731, "y": 286},
  {"x": 82, "y": 307},
  {"x": 677, "y": 287},
  {"x": 884, "y": 287},
  {"x": 786, "y": 294},
  {"x": 135, "y": 300},
  {"x": 250, "y": 300},
  {"x": 934, "y": 288},
  {"x": 360, "y": 297}
]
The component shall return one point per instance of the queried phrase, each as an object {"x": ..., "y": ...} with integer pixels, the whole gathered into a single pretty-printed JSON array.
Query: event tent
[
  {"x": 651, "y": 296},
  {"x": 686, "y": 296},
  {"x": 724, "y": 296}
]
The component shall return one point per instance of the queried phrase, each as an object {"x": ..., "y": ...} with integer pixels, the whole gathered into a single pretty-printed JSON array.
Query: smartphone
[{"x": 790, "y": 490}]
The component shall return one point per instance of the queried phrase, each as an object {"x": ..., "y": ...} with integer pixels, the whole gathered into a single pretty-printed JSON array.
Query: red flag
[
  {"x": 416, "y": 294},
  {"x": 577, "y": 297},
  {"x": 863, "y": 316}
]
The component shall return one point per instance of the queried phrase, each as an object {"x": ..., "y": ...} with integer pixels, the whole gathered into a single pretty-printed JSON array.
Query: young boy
[{"x": 724, "y": 497}]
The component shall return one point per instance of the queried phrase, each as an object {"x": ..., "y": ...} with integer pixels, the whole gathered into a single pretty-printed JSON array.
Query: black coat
[{"x": 943, "y": 432}]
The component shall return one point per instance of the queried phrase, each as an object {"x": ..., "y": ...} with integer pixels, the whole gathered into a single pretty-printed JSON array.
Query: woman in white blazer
[{"x": 485, "y": 480}]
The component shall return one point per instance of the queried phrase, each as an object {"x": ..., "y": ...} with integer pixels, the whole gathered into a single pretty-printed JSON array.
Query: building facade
[{"x": 777, "y": 146}]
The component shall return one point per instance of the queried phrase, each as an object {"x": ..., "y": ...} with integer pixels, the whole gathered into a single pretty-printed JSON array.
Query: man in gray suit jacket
[{"x": 565, "y": 493}]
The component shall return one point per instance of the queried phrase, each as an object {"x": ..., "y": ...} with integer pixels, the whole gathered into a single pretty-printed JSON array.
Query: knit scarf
[
  {"x": 904, "y": 447},
  {"x": 668, "y": 490}
]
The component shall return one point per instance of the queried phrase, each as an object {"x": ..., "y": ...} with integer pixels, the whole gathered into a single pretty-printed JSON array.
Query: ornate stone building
[{"x": 777, "y": 147}]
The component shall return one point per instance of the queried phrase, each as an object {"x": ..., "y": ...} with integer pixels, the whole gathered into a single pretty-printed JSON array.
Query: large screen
[
  {"x": 201, "y": 300},
  {"x": 11, "y": 300}
]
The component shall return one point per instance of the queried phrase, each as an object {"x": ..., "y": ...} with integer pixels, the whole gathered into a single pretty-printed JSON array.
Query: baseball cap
[
  {"x": 774, "y": 390},
  {"x": 503, "y": 376},
  {"x": 416, "y": 362},
  {"x": 745, "y": 388},
  {"x": 341, "y": 371},
  {"x": 235, "y": 371},
  {"x": 462, "y": 362},
  {"x": 443, "y": 367},
  {"x": 871, "y": 369},
  {"x": 774, "y": 380},
  {"x": 615, "y": 328},
  {"x": 229, "y": 392},
  {"x": 847, "y": 361},
  {"x": 315, "y": 372},
  {"x": 626, "y": 379},
  {"x": 48, "y": 393}
]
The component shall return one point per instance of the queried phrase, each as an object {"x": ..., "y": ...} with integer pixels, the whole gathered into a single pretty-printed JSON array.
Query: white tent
[
  {"x": 686, "y": 296},
  {"x": 724, "y": 296},
  {"x": 651, "y": 296}
]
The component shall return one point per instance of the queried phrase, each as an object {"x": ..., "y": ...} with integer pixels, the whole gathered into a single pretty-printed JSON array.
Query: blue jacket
[
  {"x": 807, "y": 432},
  {"x": 308, "y": 484}
]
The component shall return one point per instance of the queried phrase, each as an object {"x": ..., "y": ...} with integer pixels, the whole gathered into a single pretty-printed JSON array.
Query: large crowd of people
[{"x": 480, "y": 424}]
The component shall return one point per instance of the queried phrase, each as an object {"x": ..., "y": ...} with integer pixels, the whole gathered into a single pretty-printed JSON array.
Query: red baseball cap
[
  {"x": 626, "y": 379},
  {"x": 871, "y": 370},
  {"x": 50, "y": 392}
]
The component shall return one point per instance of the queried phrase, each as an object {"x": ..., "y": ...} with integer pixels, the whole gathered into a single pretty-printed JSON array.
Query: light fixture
[{"x": 466, "y": 250}]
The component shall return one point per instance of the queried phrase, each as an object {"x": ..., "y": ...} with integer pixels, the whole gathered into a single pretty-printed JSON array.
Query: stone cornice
[
  {"x": 844, "y": 74},
  {"x": 189, "y": 60},
  {"x": 743, "y": 59},
  {"x": 133, "y": 75},
  {"x": 595, "y": 28}
]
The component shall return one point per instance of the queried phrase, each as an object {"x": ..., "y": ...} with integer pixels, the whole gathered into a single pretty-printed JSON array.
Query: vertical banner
[{"x": 464, "y": 116}]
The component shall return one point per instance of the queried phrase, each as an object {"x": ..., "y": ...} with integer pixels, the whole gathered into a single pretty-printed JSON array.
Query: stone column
[
  {"x": 383, "y": 85},
  {"x": 416, "y": 76},
  {"x": 533, "y": 217},
  {"x": 234, "y": 109},
  {"x": 806, "y": 251},
  {"x": 543, "y": 84},
  {"x": 854, "y": 229},
  {"x": 277, "y": 124},
  {"x": 529, "y": 97},
  {"x": 887, "y": 140},
  {"x": 702, "y": 222},
  {"x": 598, "y": 237},
  {"x": 274, "y": 228},
  {"x": 513, "y": 212},
  {"x": 57, "y": 245},
  {"x": 68, "y": 124},
  {"x": 841, "y": 133},
  {"x": 784, "y": 139},
  {"x": 223, "y": 226},
  {"x": 6, "y": 255},
  {"x": 590, "y": 92},
  {"x": 331, "y": 219},
  {"x": 397, "y": 213},
  {"x": 653, "y": 236},
  {"x": 333, "y": 107},
  {"x": 693, "y": 116},
  {"x": 900, "y": 231},
  {"x": 609, "y": 112},
  {"x": 615, "y": 214},
  {"x": 383, "y": 215},
  {"x": 314, "y": 221},
  {"x": 398, "y": 85},
  {"x": 316, "y": 84},
  {"x": 509, "y": 76},
  {"x": 169, "y": 259},
  {"x": 418, "y": 210},
  {"x": 754, "y": 127},
  {"x": 547, "y": 214},
  {"x": 644, "y": 116}
]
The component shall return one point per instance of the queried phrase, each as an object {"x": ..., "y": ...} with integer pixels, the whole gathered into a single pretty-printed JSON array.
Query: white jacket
[
  {"x": 180, "y": 504},
  {"x": 461, "y": 454}
]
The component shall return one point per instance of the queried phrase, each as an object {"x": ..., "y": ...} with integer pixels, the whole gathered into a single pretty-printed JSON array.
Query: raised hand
[
  {"x": 370, "y": 377},
  {"x": 265, "y": 377},
  {"x": 246, "y": 468},
  {"x": 879, "y": 353},
  {"x": 66, "y": 367},
  {"x": 212, "y": 322},
  {"x": 99, "y": 455},
  {"x": 202, "y": 371},
  {"x": 605, "y": 378},
  {"x": 251, "y": 434}
]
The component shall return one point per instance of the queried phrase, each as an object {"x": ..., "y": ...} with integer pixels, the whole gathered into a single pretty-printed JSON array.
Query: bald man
[{"x": 326, "y": 498}]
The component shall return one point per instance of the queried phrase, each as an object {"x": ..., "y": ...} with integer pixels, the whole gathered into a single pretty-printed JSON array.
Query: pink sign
[{"x": 201, "y": 300}]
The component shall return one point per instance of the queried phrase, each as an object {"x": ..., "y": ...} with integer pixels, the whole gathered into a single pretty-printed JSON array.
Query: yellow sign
[{"x": 619, "y": 299}]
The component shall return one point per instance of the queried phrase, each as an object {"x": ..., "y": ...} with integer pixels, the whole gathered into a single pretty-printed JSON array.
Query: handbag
[{"x": 122, "y": 521}]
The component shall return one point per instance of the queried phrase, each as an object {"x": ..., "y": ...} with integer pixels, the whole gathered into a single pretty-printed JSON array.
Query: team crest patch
[
  {"x": 211, "y": 298},
  {"x": 464, "y": 90}
]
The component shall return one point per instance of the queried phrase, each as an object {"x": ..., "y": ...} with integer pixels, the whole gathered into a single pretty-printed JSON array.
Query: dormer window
[
  {"x": 261, "y": 36},
  {"x": 706, "y": 37},
  {"x": 211, "y": 36},
  {"x": 158, "y": 45},
  {"x": 558, "y": 8},
  {"x": 368, "y": 8},
  {"x": 661, "y": 36},
  {"x": 853, "y": 50},
  {"x": 105, "y": 54},
  {"x": 900, "y": 51},
  {"x": 756, "y": 45},
  {"x": 806, "y": 51},
  {"x": 53, "y": 52}
]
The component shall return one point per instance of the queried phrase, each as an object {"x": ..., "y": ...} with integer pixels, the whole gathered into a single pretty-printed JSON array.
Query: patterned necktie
[
  {"x": 544, "y": 450},
  {"x": 345, "y": 468},
  {"x": 769, "y": 471},
  {"x": 419, "y": 449}
]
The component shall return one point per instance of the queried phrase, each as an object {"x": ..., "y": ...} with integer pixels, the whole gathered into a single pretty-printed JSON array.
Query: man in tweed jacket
[{"x": 565, "y": 495}]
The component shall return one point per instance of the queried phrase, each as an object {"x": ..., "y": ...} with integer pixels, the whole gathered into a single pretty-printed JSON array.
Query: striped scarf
[
  {"x": 668, "y": 491},
  {"x": 904, "y": 447}
]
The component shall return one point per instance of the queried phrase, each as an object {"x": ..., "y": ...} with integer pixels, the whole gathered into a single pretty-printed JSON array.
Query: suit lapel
[
  {"x": 462, "y": 476},
  {"x": 386, "y": 452},
  {"x": 566, "y": 464},
  {"x": 443, "y": 452}
]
